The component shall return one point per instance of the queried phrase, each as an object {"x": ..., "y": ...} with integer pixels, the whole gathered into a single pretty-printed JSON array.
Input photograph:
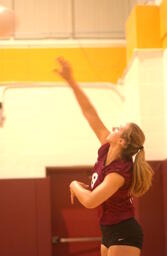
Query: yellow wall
[
  {"x": 131, "y": 34},
  {"x": 163, "y": 23},
  {"x": 143, "y": 28},
  {"x": 36, "y": 64},
  {"x": 146, "y": 27}
]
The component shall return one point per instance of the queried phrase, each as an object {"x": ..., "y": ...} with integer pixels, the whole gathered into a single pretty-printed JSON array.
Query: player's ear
[{"x": 122, "y": 142}]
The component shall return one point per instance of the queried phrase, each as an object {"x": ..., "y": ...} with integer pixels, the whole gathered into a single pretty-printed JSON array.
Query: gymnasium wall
[
  {"x": 163, "y": 34},
  {"x": 39, "y": 132},
  {"x": 165, "y": 74},
  {"x": 165, "y": 93},
  {"x": 45, "y": 127},
  {"x": 146, "y": 52},
  {"x": 163, "y": 23},
  {"x": 144, "y": 85},
  {"x": 39, "y": 129},
  {"x": 146, "y": 31},
  {"x": 25, "y": 217}
]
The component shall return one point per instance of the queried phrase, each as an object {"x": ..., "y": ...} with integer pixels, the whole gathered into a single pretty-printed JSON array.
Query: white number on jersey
[{"x": 94, "y": 178}]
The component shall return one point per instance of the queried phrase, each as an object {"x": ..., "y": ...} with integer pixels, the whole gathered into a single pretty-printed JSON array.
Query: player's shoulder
[{"x": 103, "y": 149}]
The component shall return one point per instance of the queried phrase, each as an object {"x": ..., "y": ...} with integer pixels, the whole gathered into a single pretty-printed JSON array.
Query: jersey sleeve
[{"x": 103, "y": 150}]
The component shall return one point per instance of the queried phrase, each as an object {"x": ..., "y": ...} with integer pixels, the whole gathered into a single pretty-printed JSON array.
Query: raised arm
[{"x": 87, "y": 108}]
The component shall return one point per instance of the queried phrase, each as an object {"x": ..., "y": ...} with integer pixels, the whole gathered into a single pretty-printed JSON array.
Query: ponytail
[{"x": 142, "y": 175}]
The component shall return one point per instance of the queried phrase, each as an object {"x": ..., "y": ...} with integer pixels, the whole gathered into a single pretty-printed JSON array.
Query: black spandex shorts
[{"x": 127, "y": 232}]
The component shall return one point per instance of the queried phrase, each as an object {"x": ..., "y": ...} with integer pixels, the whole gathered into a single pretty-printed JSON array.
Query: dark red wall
[
  {"x": 71, "y": 221},
  {"x": 164, "y": 186},
  {"x": 150, "y": 213},
  {"x": 25, "y": 216},
  {"x": 25, "y": 225}
]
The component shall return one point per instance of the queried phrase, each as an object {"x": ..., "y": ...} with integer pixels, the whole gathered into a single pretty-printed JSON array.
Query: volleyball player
[{"x": 116, "y": 177}]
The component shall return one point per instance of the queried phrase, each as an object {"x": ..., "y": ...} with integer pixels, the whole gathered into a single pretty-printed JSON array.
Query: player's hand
[
  {"x": 65, "y": 70},
  {"x": 72, "y": 184},
  {"x": 83, "y": 185},
  {"x": 2, "y": 118},
  {"x": 72, "y": 196}
]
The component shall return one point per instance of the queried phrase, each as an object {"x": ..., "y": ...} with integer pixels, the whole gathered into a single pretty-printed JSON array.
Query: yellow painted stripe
[{"x": 36, "y": 64}]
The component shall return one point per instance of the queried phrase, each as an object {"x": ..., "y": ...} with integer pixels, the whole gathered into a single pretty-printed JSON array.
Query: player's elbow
[{"x": 90, "y": 204}]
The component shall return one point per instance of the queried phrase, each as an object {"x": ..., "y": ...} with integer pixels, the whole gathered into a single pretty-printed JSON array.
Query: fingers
[
  {"x": 72, "y": 198},
  {"x": 84, "y": 185},
  {"x": 56, "y": 70},
  {"x": 63, "y": 62},
  {"x": 2, "y": 118},
  {"x": 65, "y": 66},
  {"x": 60, "y": 60},
  {"x": 72, "y": 195},
  {"x": 65, "y": 70}
]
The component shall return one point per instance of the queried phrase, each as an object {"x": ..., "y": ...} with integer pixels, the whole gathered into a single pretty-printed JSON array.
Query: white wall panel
[
  {"x": 145, "y": 90},
  {"x": 70, "y": 18},
  {"x": 165, "y": 92},
  {"x": 43, "y": 18},
  {"x": 131, "y": 92},
  {"x": 7, "y": 3},
  {"x": 45, "y": 127},
  {"x": 100, "y": 19}
]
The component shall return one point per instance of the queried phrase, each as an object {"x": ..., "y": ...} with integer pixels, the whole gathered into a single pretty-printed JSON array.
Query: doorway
[{"x": 75, "y": 229}]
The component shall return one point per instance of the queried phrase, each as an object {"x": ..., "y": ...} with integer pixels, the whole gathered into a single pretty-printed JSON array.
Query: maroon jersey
[{"x": 119, "y": 206}]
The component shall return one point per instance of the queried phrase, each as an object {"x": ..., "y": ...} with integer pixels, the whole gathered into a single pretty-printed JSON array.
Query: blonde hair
[{"x": 142, "y": 171}]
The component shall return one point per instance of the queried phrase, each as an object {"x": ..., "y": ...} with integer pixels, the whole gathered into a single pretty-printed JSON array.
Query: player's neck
[{"x": 113, "y": 154}]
